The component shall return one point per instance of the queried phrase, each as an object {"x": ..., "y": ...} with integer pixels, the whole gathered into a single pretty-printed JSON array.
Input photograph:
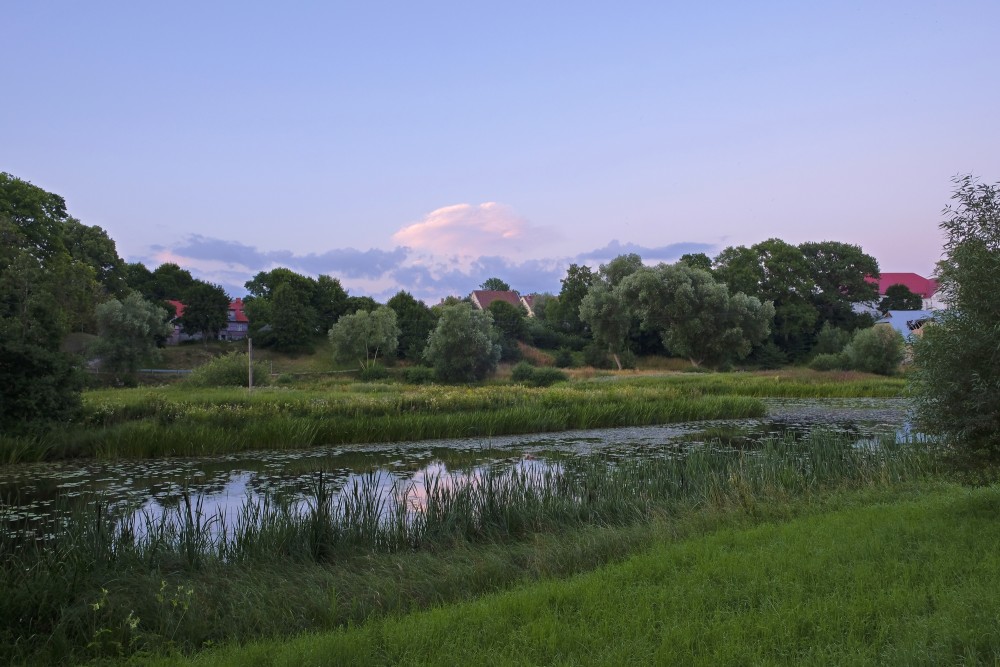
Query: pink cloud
[{"x": 465, "y": 230}]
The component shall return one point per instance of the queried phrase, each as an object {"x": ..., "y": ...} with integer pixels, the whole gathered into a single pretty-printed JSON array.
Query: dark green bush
[
  {"x": 564, "y": 358},
  {"x": 419, "y": 375},
  {"x": 522, "y": 372},
  {"x": 544, "y": 377},
  {"x": 229, "y": 370},
  {"x": 828, "y": 362},
  {"x": 373, "y": 372},
  {"x": 876, "y": 350}
]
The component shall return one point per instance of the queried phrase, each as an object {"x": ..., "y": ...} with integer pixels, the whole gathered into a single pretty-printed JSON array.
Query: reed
[{"x": 53, "y": 581}]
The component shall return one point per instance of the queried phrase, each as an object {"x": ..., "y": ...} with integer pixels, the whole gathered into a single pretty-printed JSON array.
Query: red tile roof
[
  {"x": 178, "y": 307},
  {"x": 485, "y": 297},
  {"x": 925, "y": 287},
  {"x": 237, "y": 307}
]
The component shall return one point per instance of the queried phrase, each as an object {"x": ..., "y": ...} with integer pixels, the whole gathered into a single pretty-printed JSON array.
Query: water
[{"x": 403, "y": 470}]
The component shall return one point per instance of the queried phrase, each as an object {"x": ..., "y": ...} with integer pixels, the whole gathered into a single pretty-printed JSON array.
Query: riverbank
[
  {"x": 896, "y": 577},
  {"x": 179, "y": 420}
]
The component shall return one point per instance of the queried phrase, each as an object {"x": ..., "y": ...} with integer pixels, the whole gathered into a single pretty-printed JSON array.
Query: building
[
  {"x": 237, "y": 325},
  {"x": 926, "y": 288},
  {"x": 482, "y": 298}
]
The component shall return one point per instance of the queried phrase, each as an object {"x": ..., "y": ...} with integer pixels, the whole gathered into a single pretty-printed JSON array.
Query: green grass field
[{"x": 912, "y": 582}]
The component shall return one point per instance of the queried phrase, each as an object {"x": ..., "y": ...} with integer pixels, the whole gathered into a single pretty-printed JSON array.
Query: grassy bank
[
  {"x": 180, "y": 420},
  {"x": 906, "y": 583},
  {"x": 103, "y": 588}
]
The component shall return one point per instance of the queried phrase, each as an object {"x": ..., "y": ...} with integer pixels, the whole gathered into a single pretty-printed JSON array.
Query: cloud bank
[{"x": 451, "y": 251}]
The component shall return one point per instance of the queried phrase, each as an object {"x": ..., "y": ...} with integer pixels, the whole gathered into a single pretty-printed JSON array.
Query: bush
[
  {"x": 522, "y": 372},
  {"x": 564, "y": 358},
  {"x": 828, "y": 362},
  {"x": 464, "y": 346},
  {"x": 229, "y": 370},
  {"x": 768, "y": 356},
  {"x": 596, "y": 355},
  {"x": 419, "y": 375},
  {"x": 831, "y": 340},
  {"x": 544, "y": 377},
  {"x": 373, "y": 372},
  {"x": 876, "y": 350}
]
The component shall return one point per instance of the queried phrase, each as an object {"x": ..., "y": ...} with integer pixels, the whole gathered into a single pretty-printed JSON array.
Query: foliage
[
  {"x": 206, "y": 308},
  {"x": 287, "y": 311},
  {"x": 291, "y": 321},
  {"x": 521, "y": 372},
  {"x": 418, "y": 375},
  {"x": 508, "y": 319},
  {"x": 831, "y": 340},
  {"x": 372, "y": 372},
  {"x": 416, "y": 321},
  {"x": 609, "y": 318},
  {"x": 957, "y": 378},
  {"x": 768, "y": 356},
  {"x": 778, "y": 272},
  {"x": 564, "y": 314},
  {"x": 229, "y": 370},
  {"x": 827, "y": 361},
  {"x": 696, "y": 316},
  {"x": 876, "y": 350},
  {"x": 363, "y": 336},
  {"x": 564, "y": 358},
  {"x": 464, "y": 346},
  {"x": 92, "y": 246},
  {"x": 698, "y": 260},
  {"x": 495, "y": 284},
  {"x": 899, "y": 297},
  {"x": 840, "y": 272},
  {"x": 44, "y": 293},
  {"x": 128, "y": 330}
]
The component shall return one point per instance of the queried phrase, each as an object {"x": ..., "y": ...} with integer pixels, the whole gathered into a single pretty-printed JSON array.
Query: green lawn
[{"x": 907, "y": 583}]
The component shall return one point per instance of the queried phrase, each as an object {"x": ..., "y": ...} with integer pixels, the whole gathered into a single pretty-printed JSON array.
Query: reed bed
[
  {"x": 82, "y": 588},
  {"x": 166, "y": 421}
]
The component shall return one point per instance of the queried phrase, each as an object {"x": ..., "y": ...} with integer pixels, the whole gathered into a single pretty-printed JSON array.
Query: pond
[{"x": 403, "y": 470}]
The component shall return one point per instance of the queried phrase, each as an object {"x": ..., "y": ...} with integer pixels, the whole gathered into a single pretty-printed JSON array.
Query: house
[
  {"x": 237, "y": 324},
  {"x": 528, "y": 301},
  {"x": 482, "y": 298},
  {"x": 907, "y": 322},
  {"x": 926, "y": 288}
]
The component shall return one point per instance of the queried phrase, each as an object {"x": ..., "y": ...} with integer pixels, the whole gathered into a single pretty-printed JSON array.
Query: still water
[{"x": 224, "y": 483}]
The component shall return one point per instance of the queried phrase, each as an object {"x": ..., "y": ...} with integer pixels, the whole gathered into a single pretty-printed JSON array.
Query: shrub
[
  {"x": 828, "y": 362},
  {"x": 544, "y": 377},
  {"x": 876, "y": 350},
  {"x": 596, "y": 355},
  {"x": 564, "y": 358},
  {"x": 831, "y": 340},
  {"x": 419, "y": 375},
  {"x": 522, "y": 372},
  {"x": 373, "y": 371},
  {"x": 464, "y": 345},
  {"x": 768, "y": 356},
  {"x": 229, "y": 370}
]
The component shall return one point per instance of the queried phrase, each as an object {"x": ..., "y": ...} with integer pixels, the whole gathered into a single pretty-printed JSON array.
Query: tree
[
  {"x": 698, "y": 260},
  {"x": 840, "y": 272},
  {"x": 495, "y": 284},
  {"x": 566, "y": 314},
  {"x": 171, "y": 282},
  {"x": 463, "y": 346},
  {"x": 899, "y": 297},
  {"x": 364, "y": 335},
  {"x": 329, "y": 301},
  {"x": 39, "y": 384},
  {"x": 608, "y": 317},
  {"x": 694, "y": 315},
  {"x": 778, "y": 272},
  {"x": 292, "y": 320},
  {"x": 956, "y": 383},
  {"x": 416, "y": 321},
  {"x": 93, "y": 247},
  {"x": 127, "y": 331},
  {"x": 206, "y": 309}
]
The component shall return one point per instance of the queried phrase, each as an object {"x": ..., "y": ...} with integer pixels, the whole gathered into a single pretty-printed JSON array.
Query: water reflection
[{"x": 403, "y": 471}]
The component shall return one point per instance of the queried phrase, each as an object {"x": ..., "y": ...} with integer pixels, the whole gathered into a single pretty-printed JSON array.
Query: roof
[
  {"x": 236, "y": 305},
  {"x": 925, "y": 287},
  {"x": 906, "y": 321},
  {"x": 484, "y": 297}
]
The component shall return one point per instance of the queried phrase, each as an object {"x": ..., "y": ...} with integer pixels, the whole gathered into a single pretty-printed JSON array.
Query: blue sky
[{"x": 428, "y": 146}]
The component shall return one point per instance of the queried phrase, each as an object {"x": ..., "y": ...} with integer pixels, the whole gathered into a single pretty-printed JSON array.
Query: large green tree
[
  {"x": 840, "y": 272},
  {"x": 206, "y": 310},
  {"x": 128, "y": 330},
  {"x": 416, "y": 321},
  {"x": 956, "y": 383},
  {"x": 778, "y": 272},
  {"x": 39, "y": 384},
  {"x": 564, "y": 314},
  {"x": 696, "y": 316},
  {"x": 364, "y": 336},
  {"x": 464, "y": 346},
  {"x": 899, "y": 297},
  {"x": 495, "y": 284}
]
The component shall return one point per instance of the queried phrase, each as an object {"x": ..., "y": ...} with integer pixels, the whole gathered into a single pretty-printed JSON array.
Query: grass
[
  {"x": 96, "y": 586},
  {"x": 905, "y": 583},
  {"x": 180, "y": 420}
]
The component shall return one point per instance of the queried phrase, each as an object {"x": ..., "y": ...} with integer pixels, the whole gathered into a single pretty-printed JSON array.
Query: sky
[{"x": 427, "y": 146}]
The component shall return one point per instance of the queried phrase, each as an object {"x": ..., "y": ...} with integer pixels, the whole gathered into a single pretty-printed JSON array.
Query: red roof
[
  {"x": 237, "y": 307},
  {"x": 925, "y": 287},
  {"x": 178, "y": 307},
  {"x": 487, "y": 296}
]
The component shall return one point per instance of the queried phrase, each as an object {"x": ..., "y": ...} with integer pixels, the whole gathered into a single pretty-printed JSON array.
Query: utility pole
[{"x": 250, "y": 364}]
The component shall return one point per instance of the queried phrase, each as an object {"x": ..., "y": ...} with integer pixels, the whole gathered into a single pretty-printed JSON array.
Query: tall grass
[{"x": 53, "y": 583}]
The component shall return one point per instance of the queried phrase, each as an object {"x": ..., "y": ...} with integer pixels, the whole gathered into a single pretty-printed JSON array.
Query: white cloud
[{"x": 465, "y": 231}]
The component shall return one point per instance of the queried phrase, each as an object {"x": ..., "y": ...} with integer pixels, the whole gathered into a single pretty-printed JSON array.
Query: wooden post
[{"x": 250, "y": 364}]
